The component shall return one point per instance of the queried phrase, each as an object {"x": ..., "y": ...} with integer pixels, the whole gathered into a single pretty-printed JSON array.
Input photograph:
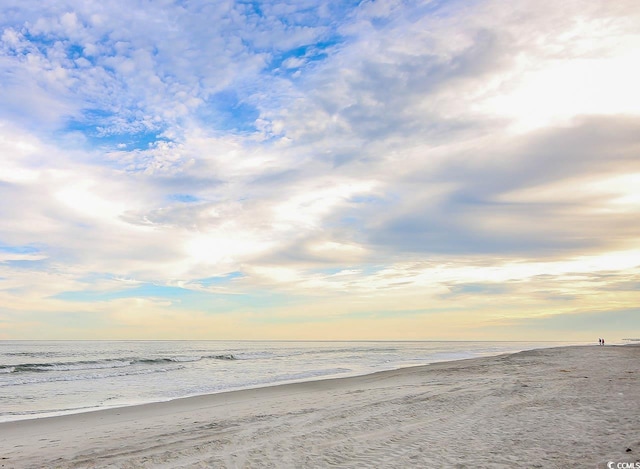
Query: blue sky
[{"x": 301, "y": 170}]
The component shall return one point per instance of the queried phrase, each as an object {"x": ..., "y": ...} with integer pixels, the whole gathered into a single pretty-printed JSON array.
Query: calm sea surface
[{"x": 49, "y": 378}]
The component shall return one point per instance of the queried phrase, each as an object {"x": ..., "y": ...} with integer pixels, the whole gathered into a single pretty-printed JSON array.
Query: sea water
[{"x": 39, "y": 378}]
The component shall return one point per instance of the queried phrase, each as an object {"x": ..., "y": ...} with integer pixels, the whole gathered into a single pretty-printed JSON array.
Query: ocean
[{"x": 39, "y": 378}]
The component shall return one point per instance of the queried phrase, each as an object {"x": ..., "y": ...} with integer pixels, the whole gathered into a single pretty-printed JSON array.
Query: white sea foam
[{"x": 39, "y": 378}]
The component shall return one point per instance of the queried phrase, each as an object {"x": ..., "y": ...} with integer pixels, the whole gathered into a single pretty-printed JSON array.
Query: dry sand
[{"x": 573, "y": 407}]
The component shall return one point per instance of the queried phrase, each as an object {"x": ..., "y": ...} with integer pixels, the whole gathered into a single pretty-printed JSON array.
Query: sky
[{"x": 344, "y": 170}]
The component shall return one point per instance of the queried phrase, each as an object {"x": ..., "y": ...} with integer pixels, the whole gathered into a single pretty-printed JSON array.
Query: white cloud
[{"x": 174, "y": 143}]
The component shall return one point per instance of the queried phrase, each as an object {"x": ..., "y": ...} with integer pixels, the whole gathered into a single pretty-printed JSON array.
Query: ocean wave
[
  {"x": 75, "y": 377},
  {"x": 65, "y": 366},
  {"x": 221, "y": 357},
  {"x": 105, "y": 364}
]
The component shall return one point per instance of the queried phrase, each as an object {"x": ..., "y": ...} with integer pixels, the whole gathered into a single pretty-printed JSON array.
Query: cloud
[
  {"x": 598, "y": 322},
  {"x": 371, "y": 156},
  {"x": 524, "y": 195}
]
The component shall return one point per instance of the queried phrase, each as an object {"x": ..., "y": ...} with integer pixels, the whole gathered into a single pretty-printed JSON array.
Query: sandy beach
[{"x": 550, "y": 408}]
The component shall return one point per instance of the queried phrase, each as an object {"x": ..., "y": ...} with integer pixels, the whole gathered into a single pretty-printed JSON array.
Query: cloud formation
[{"x": 397, "y": 169}]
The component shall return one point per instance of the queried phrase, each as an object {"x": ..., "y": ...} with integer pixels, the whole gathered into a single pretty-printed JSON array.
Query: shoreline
[
  {"x": 421, "y": 415},
  {"x": 97, "y": 408},
  {"x": 22, "y": 418}
]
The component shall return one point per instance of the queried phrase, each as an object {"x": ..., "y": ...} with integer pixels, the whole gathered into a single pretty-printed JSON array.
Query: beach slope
[{"x": 559, "y": 407}]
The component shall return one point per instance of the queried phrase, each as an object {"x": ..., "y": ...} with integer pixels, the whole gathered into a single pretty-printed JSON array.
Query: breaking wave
[{"x": 105, "y": 364}]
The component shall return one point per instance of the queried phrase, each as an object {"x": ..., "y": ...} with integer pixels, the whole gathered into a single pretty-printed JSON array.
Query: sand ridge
[{"x": 548, "y": 408}]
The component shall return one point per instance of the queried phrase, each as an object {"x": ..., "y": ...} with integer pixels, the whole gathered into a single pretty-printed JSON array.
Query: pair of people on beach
[{"x": 601, "y": 341}]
